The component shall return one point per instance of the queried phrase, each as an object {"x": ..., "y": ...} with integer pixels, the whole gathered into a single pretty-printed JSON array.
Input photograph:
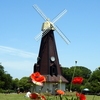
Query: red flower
[
  {"x": 77, "y": 80},
  {"x": 37, "y": 96},
  {"x": 33, "y": 96},
  {"x": 60, "y": 92},
  {"x": 37, "y": 78},
  {"x": 77, "y": 94},
  {"x": 81, "y": 96},
  {"x": 43, "y": 97}
]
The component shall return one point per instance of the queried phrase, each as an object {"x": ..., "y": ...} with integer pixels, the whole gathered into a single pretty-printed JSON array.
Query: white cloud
[
  {"x": 19, "y": 65},
  {"x": 17, "y": 61},
  {"x": 16, "y": 52},
  {"x": 19, "y": 69}
]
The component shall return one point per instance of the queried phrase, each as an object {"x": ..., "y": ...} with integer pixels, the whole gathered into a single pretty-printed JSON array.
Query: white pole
[
  {"x": 73, "y": 75},
  {"x": 60, "y": 82}
]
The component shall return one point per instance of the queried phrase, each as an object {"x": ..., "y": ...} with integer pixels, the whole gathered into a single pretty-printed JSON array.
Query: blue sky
[{"x": 20, "y": 23}]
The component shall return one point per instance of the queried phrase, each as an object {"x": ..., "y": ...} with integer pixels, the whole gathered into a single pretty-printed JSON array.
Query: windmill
[{"x": 47, "y": 60}]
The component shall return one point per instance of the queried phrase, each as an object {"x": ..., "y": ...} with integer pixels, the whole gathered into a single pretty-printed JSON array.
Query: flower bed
[{"x": 38, "y": 79}]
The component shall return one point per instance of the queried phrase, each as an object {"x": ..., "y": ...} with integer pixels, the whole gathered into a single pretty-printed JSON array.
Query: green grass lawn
[
  {"x": 21, "y": 97},
  {"x": 13, "y": 97}
]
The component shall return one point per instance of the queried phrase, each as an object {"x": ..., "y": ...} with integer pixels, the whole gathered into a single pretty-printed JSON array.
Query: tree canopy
[
  {"x": 76, "y": 71},
  {"x": 5, "y": 79},
  {"x": 80, "y": 71}
]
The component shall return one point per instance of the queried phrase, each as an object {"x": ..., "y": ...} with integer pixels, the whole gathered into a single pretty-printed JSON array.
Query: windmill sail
[
  {"x": 40, "y": 12},
  {"x": 50, "y": 25}
]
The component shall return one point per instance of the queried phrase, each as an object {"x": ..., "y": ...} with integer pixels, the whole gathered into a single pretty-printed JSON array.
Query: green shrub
[{"x": 1, "y": 90}]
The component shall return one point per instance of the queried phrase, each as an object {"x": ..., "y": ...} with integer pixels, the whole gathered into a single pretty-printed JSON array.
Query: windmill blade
[
  {"x": 40, "y": 12},
  {"x": 59, "y": 16},
  {"x": 46, "y": 31},
  {"x": 62, "y": 35},
  {"x": 38, "y": 36},
  {"x": 42, "y": 34}
]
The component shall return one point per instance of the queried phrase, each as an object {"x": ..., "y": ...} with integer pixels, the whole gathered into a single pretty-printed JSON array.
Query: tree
[
  {"x": 23, "y": 84},
  {"x": 1, "y": 76},
  {"x": 95, "y": 75},
  {"x": 95, "y": 81},
  {"x": 80, "y": 71},
  {"x": 5, "y": 79},
  {"x": 8, "y": 81},
  {"x": 15, "y": 84},
  {"x": 66, "y": 73},
  {"x": 77, "y": 71}
]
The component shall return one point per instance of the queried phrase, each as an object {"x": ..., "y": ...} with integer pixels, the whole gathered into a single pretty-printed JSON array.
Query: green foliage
[
  {"x": 95, "y": 75},
  {"x": 23, "y": 83},
  {"x": 80, "y": 71},
  {"x": 5, "y": 79},
  {"x": 15, "y": 83},
  {"x": 1, "y": 90},
  {"x": 91, "y": 79}
]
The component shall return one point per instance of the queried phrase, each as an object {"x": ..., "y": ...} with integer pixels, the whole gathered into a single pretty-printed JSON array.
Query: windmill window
[{"x": 53, "y": 70}]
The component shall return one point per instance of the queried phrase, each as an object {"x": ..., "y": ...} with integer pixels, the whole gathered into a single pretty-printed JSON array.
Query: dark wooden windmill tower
[{"x": 48, "y": 61}]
